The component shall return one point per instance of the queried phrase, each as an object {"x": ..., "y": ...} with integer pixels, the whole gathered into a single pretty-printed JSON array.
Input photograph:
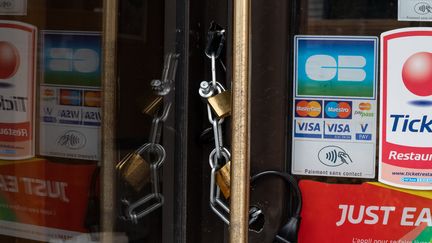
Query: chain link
[
  {"x": 153, "y": 152},
  {"x": 220, "y": 155}
]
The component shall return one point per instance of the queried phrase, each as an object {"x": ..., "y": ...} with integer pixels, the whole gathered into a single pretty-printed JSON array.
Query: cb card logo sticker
[
  {"x": 406, "y": 101},
  {"x": 334, "y": 106},
  {"x": 335, "y": 66},
  {"x": 71, "y": 58}
]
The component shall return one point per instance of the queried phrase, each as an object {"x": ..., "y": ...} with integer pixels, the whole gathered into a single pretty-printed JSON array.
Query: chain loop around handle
[{"x": 130, "y": 211}]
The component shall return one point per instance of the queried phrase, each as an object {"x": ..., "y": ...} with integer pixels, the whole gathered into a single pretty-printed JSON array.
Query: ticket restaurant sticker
[
  {"x": 70, "y": 95},
  {"x": 405, "y": 155},
  {"x": 335, "y": 106},
  {"x": 17, "y": 89}
]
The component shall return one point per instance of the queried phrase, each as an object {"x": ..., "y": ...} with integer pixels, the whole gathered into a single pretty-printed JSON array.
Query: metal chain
[
  {"x": 220, "y": 154},
  {"x": 153, "y": 152}
]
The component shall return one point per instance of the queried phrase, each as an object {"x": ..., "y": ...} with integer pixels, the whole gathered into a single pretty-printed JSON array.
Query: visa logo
[
  {"x": 48, "y": 111},
  {"x": 326, "y": 68},
  {"x": 81, "y": 60},
  {"x": 309, "y": 126},
  {"x": 92, "y": 115},
  {"x": 69, "y": 114},
  {"x": 364, "y": 127},
  {"x": 403, "y": 123},
  {"x": 338, "y": 128}
]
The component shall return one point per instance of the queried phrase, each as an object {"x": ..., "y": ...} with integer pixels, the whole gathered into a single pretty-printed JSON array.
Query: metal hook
[
  {"x": 163, "y": 86},
  {"x": 215, "y": 40}
]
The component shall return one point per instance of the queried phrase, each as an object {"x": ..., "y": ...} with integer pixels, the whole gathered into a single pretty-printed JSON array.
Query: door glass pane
[
  {"x": 51, "y": 110},
  {"x": 329, "y": 32},
  {"x": 50, "y": 119}
]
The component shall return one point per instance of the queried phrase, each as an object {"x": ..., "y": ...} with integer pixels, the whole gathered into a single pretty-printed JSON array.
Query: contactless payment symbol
[
  {"x": 334, "y": 156},
  {"x": 406, "y": 91},
  {"x": 335, "y": 66}
]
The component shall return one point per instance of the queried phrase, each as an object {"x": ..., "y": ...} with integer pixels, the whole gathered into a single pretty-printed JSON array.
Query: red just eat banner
[
  {"x": 365, "y": 213},
  {"x": 43, "y": 200}
]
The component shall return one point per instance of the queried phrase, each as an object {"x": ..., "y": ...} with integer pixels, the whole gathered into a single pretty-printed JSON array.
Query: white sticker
[
  {"x": 406, "y": 125},
  {"x": 415, "y": 10},
  {"x": 70, "y": 122},
  {"x": 18, "y": 49},
  {"x": 334, "y": 115},
  {"x": 13, "y": 7}
]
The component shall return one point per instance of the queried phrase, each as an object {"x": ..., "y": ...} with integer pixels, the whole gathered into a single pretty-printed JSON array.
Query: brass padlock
[
  {"x": 221, "y": 104},
  {"x": 134, "y": 170},
  {"x": 150, "y": 104},
  {"x": 223, "y": 179}
]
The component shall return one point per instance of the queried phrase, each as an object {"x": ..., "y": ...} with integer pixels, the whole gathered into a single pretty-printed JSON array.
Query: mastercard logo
[
  {"x": 364, "y": 106},
  {"x": 306, "y": 108},
  {"x": 338, "y": 109}
]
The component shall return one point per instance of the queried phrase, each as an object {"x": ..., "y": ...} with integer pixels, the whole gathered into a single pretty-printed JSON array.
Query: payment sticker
[{"x": 334, "y": 114}]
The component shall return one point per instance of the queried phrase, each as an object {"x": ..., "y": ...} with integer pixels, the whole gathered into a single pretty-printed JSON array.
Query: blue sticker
[
  {"x": 71, "y": 58},
  {"x": 332, "y": 66}
]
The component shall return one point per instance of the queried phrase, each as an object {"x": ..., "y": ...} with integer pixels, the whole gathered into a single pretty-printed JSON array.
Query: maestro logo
[
  {"x": 335, "y": 66},
  {"x": 308, "y": 108},
  {"x": 9, "y": 62},
  {"x": 338, "y": 109},
  {"x": 417, "y": 76},
  {"x": 70, "y": 97}
]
